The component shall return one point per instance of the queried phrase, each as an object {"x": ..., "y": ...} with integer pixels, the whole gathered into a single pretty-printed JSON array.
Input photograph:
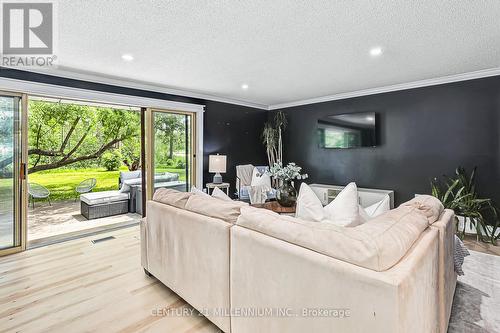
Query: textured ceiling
[{"x": 284, "y": 50}]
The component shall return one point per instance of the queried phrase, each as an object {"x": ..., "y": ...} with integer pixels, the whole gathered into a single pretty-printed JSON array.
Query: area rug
[{"x": 476, "y": 306}]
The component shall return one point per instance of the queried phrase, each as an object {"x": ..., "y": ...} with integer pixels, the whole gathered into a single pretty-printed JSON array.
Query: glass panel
[
  {"x": 172, "y": 151},
  {"x": 10, "y": 154}
]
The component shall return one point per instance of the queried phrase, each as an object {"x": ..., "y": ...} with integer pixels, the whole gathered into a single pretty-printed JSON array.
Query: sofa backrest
[
  {"x": 201, "y": 204},
  {"x": 378, "y": 244},
  {"x": 126, "y": 175}
]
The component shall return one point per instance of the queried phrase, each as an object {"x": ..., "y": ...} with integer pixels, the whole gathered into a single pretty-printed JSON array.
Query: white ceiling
[{"x": 285, "y": 51}]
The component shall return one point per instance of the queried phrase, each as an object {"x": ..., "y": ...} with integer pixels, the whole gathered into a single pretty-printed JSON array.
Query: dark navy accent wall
[{"x": 423, "y": 133}]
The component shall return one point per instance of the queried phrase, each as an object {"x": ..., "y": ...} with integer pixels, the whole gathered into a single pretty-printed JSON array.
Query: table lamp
[{"x": 217, "y": 164}]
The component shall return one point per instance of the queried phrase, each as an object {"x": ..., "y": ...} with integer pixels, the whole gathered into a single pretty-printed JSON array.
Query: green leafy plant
[
  {"x": 459, "y": 194},
  {"x": 169, "y": 163},
  {"x": 272, "y": 137},
  {"x": 112, "y": 160},
  {"x": 179, "y": 164}
]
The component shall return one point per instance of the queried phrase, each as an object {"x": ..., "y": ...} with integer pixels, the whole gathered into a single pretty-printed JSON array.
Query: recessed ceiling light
[
  {"x": 244, "y": 86},
  {"x": 376, "y": 51},
  {"x": 127, "y": 57}
]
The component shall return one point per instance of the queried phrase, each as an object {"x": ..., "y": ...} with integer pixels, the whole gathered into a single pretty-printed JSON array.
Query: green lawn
[{"x": 62, "y": 182}]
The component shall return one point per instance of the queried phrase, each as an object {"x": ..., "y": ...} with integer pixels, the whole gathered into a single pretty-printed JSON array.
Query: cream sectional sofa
[{"x": 251, "y": 270}]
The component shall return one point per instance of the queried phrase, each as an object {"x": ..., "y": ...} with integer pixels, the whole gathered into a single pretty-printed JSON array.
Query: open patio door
[
  {"x": 170, "y": 150},
  {"x": 13, "y": 154}
]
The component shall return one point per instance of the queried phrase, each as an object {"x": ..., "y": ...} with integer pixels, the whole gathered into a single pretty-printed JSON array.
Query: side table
[{"x": 222, "y": 186}]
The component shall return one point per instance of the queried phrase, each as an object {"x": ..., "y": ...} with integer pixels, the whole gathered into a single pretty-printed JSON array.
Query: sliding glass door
[
  {"x": 171, "y": 150},
  {"x": 11, "y": 183}
]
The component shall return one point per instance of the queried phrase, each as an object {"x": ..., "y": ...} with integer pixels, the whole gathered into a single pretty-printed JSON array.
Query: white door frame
[{"x": 55, "y": 91}]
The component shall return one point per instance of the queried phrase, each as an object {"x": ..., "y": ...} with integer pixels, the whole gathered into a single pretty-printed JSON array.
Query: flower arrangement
[{"x": 287, "y": 173}]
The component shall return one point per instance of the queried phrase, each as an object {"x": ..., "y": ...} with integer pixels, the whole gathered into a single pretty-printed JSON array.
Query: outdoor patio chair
[
  {"x": 85, "y": 187},
  {"x": 37, "y": 191}
]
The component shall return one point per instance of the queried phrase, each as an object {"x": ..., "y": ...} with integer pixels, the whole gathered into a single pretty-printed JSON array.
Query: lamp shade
[{"x": 217, "y": 163}]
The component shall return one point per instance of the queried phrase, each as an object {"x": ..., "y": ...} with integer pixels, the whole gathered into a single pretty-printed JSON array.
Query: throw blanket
[
  {"x": 258, "y": 194},
  {"x": 460, "y": 253},
  {"x": 244, "y": 174}
]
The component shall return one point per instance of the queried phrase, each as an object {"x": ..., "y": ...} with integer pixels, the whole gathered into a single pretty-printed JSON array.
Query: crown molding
[
  {"x": 396, "y": 87},
  {"x": 96, "y": 78},
  {"x": 115, "y": 81}
]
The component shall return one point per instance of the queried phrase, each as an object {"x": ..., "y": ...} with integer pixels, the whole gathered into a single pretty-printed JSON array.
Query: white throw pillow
[
  {"x": 219, "y": 194},
  {"x": 342, "y": 211},
  {"x": 195, "y": 190},
  {"x": 376, "y": 209},
  {"x": 260, "y": 179},
  {"x": 308, "y": 205}
]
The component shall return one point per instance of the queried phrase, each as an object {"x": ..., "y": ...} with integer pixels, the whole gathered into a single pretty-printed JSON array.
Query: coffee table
[{"x": 276, "y": 207}]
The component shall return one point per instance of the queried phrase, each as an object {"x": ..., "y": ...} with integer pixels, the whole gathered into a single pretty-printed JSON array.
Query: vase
[{"x": 286, "y": 194}]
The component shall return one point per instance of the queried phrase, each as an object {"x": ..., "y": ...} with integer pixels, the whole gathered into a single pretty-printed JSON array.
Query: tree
[
  {"x": 131, "y": 153},
  {"x": 169, "y": 128},
  {"x": 62, "y": 134},
  {"x": 6, "y": 131}
]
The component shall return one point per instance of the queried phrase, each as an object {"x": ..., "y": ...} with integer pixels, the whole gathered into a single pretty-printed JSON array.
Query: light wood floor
[
  {"x": 473, "y": 244},
  {"x": 78, "y": 286}
]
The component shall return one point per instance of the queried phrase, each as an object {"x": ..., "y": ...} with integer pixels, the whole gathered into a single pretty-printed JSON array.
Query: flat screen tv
[{"x": 350, "y": 130}]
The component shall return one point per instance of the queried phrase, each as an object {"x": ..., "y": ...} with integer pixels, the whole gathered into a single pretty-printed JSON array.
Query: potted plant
[
  {"x": 286, "y": 193},
  {"x": 459, "y": 193},
  {"x": 272, "y": 137}
]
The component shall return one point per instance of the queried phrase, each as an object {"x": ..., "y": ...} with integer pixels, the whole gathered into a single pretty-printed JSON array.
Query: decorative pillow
[
  {"x": 375, "y": 210},
  {"x": 220, "y": 194},
  {"x": 127, "y": 183},
  {"x": 342, "y": 211},
  {"x": 195, "y": 190},
  {"x": 308, "y": 205},
  {"x": 259, "y": 178}
]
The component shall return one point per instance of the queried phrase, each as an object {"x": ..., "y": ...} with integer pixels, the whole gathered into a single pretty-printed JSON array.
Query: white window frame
[{"x": 64, "y": 92}]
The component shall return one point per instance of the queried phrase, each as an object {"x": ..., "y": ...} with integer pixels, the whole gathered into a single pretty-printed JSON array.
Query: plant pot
[
  {"x": 286, "y": 194},
  {"x": 470, "y": 228}
]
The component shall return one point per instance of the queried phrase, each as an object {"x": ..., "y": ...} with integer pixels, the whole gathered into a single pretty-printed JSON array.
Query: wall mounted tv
[{"x": 350, "y": 130}]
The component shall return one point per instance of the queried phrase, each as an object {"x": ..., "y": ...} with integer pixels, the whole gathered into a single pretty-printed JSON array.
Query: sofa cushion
[
  {"x": 95, "y": 198},
  {"x": 428, "y": 206},
  {"x": 308, "y": 205},
  {"x": 377, "y": 245},
  {"x": 342, "y": 211},
  {"x": 220, "y": 194},
  {"x": 126, "y": 185},
  {"x": 166, "y": 177},
  {"x": 367, "y": 213},
  {"x": 172, "y": 197},
  {"x": 196, "y": 190},
  {"x": 224, "y": 210},
  {"x": 125, "y": 175}
]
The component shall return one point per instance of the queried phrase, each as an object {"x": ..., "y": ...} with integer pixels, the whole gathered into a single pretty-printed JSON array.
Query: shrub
[
  {"x": 170, "y": 163},
  {"x": 111, "y": 160},
  {"x": 180, "y": 164}
]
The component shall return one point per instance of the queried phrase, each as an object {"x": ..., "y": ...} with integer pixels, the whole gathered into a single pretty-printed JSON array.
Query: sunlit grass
[{"x": 62, "y": 182}]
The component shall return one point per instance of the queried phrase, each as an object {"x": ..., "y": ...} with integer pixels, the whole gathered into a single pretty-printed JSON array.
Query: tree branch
[
  {"x": 5, "y": 162},
  {"x": 68, "y": 161},
  {"x": 68, "y": 135},
  {"x": 36, "y": 151},
  {"x": 75, "y": 148}
]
